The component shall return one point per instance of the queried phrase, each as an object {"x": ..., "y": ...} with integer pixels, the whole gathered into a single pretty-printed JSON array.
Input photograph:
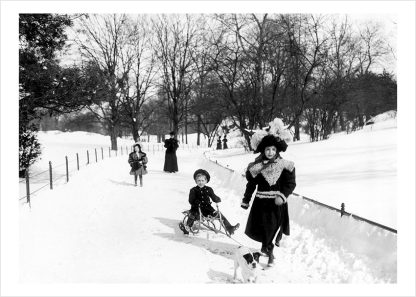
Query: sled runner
[{"x": 213, "y": 223}]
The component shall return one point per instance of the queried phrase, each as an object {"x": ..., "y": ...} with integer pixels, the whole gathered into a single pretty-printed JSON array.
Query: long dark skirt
[
  {"x": 171, "y": 162},
  {"x": 264, "y": 220}
]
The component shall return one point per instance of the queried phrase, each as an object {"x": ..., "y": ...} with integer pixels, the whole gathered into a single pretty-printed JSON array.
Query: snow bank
[
  {"x": 388, "y": 115},
  {"x": 358, "y": 169},
  {"x": 364, "y": 248}
]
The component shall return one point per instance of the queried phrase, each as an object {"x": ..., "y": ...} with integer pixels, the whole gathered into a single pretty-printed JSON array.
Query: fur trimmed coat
[
  {"x": 272, "y": 179},
  {"x": 137, "y": 163}
]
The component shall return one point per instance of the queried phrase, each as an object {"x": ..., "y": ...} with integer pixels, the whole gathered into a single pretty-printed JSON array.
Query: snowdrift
[{"x": 360, "y": 245}]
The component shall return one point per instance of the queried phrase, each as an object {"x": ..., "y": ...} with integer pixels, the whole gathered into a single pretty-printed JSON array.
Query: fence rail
[
  {"x": 51, "y": 175},
  {"x": 340, "y": 210},
  {"x": 97, "y": 154}
]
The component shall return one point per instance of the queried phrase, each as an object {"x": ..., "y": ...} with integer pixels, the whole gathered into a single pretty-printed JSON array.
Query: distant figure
[
  {"x": 171, "y": 162},
  {"x": 219, "y": 143},
  {"x": 224, "y": 146},
  {"x": 138, "y": 161}
]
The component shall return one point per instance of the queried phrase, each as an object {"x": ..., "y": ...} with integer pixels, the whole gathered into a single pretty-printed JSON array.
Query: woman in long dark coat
[
  {"x": 171, "y": 162},
  {"x": 275, "y": 180},
  {"x": 224, "y": 141}
]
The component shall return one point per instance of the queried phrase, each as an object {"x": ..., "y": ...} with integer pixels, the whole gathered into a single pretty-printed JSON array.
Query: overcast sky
[{"x": 387, "y": 23}]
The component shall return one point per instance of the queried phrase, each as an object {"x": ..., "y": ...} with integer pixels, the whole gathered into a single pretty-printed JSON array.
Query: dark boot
[
  {"x": 231, "y": 229},
  {"x": 270, "y": 262},
  {"x": 183, "y": 228},
  {"x": 141, "y": 181},
  {"x": 264, "y": 251}
]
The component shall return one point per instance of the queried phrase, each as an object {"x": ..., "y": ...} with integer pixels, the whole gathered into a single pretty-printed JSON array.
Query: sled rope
[{"x": 229, "y": 236}]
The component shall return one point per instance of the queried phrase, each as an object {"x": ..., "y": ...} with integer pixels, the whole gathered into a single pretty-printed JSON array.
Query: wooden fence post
[
  {"x": 342, "y": 209},
  {"x": 96, "y": 159},
  {"x": 77, "y": 162},
  {"x": 109, "y": 152},
  {"x": 102, "y": 154},
  {"x": 88, "y": 157},
  {"x": 50, "y": 175}
]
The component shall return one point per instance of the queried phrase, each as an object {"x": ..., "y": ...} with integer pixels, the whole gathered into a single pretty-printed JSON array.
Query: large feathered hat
[
  {"x": 274, "y": 135},
  {"x": 271, "y": 140}
]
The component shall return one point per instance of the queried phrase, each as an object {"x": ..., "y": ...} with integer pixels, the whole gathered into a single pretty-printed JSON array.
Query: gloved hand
[
  {"x": 279, "y": 200},
  {"x": 244, "y": 205}
]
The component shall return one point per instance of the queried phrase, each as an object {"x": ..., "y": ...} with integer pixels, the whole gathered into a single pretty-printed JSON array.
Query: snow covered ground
[
  {"x": 358, "y": 169},
  {"x": 99, "y": 228},
  {"x": 105, "y": 230},
  {"x": 56, "y": 145}
]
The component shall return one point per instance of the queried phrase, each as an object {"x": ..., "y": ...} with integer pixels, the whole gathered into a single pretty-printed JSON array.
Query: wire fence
[
  {"x": 340, "y": 210},
  {"x": 63, "y": 171}
]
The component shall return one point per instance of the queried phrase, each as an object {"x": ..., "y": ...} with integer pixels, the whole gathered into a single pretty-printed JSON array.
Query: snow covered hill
[
  {"x": 99, "y": 228},
  {"x": 358, "y": 169},
  {"x": 106, "y": 230}
]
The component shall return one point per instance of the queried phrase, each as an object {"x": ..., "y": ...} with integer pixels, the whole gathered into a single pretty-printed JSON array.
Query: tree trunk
[
  {"x": 296, "y": 137},
  {"x": 361, "y": 121},
  {"x": 247, "y": 137},
  {"x": 186, "y": 131},
  {"x": 175, "y": 117},
  {"x": 186, "y": 120},
  {"x": 312, "y": 132},
  {"x": 198, "y": 130},
  {"x": 342, "y": 122},
  {"x": 135, "y": 132},
  {"x": 113, "y": 136}
]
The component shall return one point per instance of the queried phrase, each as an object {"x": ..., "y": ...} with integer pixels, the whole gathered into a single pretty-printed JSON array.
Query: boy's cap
[{"x": 203, "y": 172}]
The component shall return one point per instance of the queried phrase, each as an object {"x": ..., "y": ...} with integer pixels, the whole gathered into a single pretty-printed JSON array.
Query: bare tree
[
  {"x": 229, "y": 64},
  {"x": 372, "y": 46},
  {"x": 176, "y": 36},
  {"x": 307, "y": 48},
  {"x": 101, "y": 40},
  {"x": 140, "y": 64},
  {"x": 254, "y": 36}
]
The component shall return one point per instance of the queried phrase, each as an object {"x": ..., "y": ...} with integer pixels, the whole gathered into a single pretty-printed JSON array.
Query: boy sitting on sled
[{"x": 200, "y": 196}]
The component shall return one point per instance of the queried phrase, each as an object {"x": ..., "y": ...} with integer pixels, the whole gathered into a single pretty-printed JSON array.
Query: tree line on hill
[{"x": 150, "y": 74}]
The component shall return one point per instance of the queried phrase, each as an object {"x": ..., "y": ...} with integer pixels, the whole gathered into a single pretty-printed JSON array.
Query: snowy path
[{"x": 100, "y": 228}]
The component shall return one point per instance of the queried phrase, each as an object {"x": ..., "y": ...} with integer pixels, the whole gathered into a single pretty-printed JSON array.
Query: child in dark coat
[
  {"x": 138, "y": 161},
  {"x": 274, "y": 179},
  {"x": 200, "y": 196}
]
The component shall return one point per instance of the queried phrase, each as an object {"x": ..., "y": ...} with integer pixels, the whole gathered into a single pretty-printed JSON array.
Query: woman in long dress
[{"x": 171, "y": 162}]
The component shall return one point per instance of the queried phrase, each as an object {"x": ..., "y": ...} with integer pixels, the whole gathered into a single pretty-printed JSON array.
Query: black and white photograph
[{"x": 207, "y": 148}]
